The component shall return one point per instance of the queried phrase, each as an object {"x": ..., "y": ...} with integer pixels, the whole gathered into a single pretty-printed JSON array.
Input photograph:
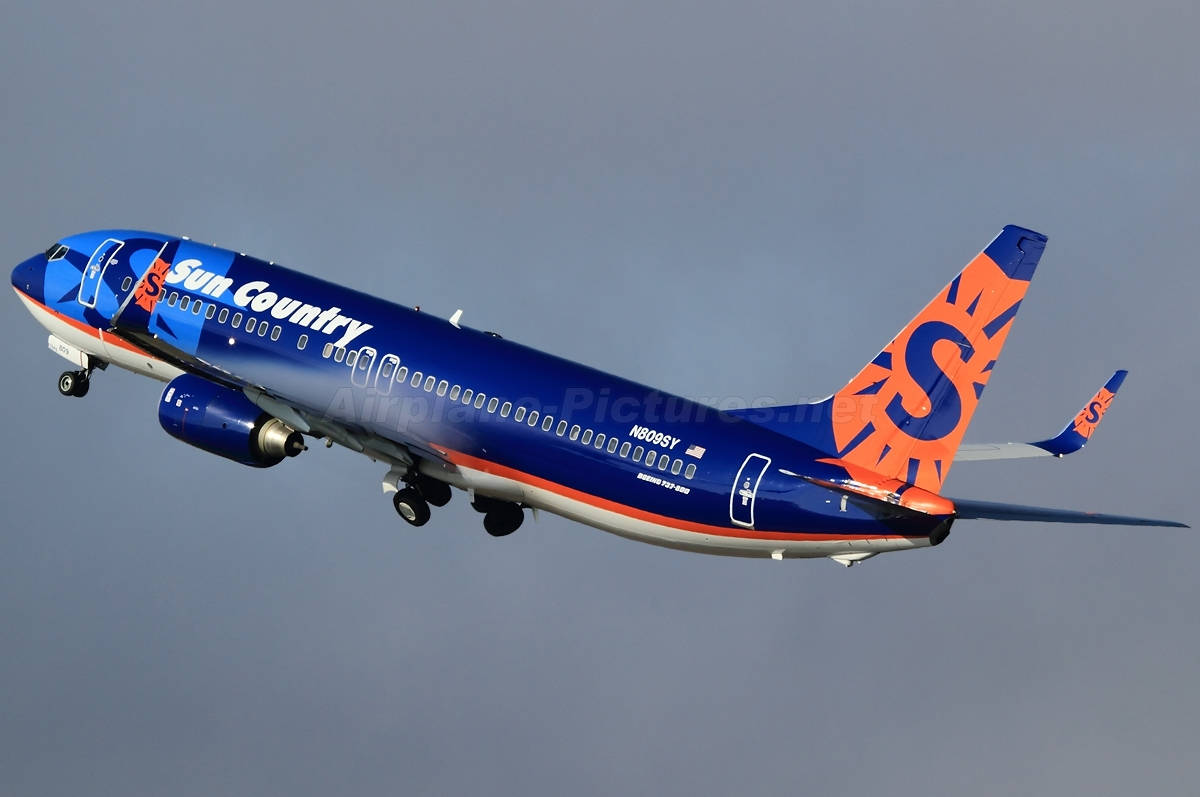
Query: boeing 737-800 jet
[{"x": 257, "y": 357}]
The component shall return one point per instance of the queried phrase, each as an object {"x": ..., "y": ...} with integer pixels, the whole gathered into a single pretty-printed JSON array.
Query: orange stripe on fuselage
[
  {"x": 90, "y": 331},
  {"x": 486, "y": 466}
]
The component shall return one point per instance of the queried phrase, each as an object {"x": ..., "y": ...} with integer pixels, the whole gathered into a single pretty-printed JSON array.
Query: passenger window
[
  {"x": 402, "y": 374},
  {"x": 612, "y": 444},
  {"x": 663, "y": 461},
  {"x": 197, "y": 306},
  {"x": 210, "y": 311},
  {"x": 467, "y": 395},
  {"x": 416, "y": 378},
  {"x": 389, "y": 366},
  {"x": 587, "y": 436},
  {"x": 519, "y": 415},
  {"x": 676, "y": 466},
  {"x": 262, "y": 329},
  {"x": 250, "y": 324},
  {"x": 126, "y": 283},
  {"x": 492, "y": 404},
  {"x": 429, "y": 382},
  {"x": 479, "y": 399},
  {"x": 505, "y": 409},
  {"x": 237, "y": 320},
  {"x": 599, "y": 440},
  {"x": 533, "y": 416},
  {"x": 276, "y": 332},
  {"x": 443, "y": 386},
  {"x": 339, "y": 354},
  {"x": 184, "y": 302},
  {"x": 351, "y": 357},
  {"x": 174, "y": 297},
  {"x": 691, "y": 470},
  {"x": 454, "y": 391},
  {"x": 547, "y": 422},
  {"x": 328, "y": 350},
  {"x": 366, "y": 357},
  {"x": 637, "y": 454},
  {"x": 303, "y": 341},
  {"x": 562, "y": 428},
  {"x": 224, "y": 316},
  {"x": 624, "y": 448}
]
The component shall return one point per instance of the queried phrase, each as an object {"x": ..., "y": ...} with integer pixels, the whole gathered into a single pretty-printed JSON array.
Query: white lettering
[
  {"x": 324, "y": 318},
  {"x": 284, "y": 308},
  {"x": 355, "y": 329},
  {"x": 196, "y": 280},
  {"x": 218, "y": 285},
  {"x": 249, "y": 291},
  {"x": 264, "y": 301},
  {"x": 180, "y": 270}
]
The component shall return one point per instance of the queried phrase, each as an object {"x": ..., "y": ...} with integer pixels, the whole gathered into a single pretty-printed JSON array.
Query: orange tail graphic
[{"x": 904, "y": 415}]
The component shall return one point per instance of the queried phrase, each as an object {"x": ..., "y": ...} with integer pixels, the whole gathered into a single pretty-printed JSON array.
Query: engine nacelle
[{"x": 224, "y": 422}]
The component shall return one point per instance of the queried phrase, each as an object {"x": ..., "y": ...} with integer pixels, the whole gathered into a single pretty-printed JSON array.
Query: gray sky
[{"x": 742, "y": 200}]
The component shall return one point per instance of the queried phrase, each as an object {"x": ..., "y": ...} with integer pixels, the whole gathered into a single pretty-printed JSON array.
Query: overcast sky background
[{"x": 721, "y": 200}]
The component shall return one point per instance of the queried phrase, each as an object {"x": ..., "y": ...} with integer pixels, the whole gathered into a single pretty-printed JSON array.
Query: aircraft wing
[
  {"x": 1072, "y": 438},
  {"x": 399, "y": 452},
  {"x": 990, "y": 510}
]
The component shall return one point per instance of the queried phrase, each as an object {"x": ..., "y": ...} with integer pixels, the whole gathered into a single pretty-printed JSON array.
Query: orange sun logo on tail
[{"x": 904, "y": 415}]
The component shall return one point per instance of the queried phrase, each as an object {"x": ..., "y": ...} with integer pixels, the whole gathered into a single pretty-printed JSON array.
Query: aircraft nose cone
[{"x": 28, "y": 277}]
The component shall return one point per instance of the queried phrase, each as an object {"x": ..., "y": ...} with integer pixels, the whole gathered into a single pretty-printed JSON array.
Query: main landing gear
[
  {"x": 417, "y": 492},
  {"x": 500, "y": 518},
  {"x": 412, "y": 501},
  {"x": 411, "y": 506},
  {"x": 74, "y": 383}
]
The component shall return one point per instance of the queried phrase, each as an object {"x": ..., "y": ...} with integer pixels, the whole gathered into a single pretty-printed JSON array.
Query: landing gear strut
[{"x": 74, "y": 383}]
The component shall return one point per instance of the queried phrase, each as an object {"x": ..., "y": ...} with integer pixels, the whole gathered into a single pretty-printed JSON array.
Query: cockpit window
[{"x": 56, "y": 252}]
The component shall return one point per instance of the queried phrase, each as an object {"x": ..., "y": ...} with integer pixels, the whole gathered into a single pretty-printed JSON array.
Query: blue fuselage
[{"x": 477, "y": 410}]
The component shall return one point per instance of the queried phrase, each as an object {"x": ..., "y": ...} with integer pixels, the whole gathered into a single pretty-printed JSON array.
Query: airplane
[{"x": 259, "y": 359}]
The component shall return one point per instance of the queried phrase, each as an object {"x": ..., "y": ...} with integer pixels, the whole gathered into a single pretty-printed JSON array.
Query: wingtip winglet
[{"x": 1081, "y": 428}]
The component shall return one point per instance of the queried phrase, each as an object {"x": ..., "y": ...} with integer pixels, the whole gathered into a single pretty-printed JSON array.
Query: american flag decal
[{"x": 695, "y": 451}]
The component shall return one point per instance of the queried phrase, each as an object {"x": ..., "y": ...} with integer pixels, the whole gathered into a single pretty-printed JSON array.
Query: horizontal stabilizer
[
  {"x": 1071, "y": 439},
  {"x": 988, "y": 510}
]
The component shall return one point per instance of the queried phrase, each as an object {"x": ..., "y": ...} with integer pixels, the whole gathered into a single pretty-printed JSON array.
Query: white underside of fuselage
[
  {"x": 97, "y": 344},
  {"x": 661, "y": 533}
]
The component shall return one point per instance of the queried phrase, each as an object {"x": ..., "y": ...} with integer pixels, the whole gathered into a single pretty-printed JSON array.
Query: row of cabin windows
[
  {"x": 211, "y": 310},
  {"x": 650, "y": 459},
  {"x": 430, "y": 384}
]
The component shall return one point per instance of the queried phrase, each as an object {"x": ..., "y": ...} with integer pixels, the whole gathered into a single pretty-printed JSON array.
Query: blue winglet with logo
[
  {"x": 1081, "y": 428},
  {"x": 1071, "y": 439}
]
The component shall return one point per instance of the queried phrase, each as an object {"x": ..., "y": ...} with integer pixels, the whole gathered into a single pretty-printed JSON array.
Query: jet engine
[{"x": 224, "y": 422}]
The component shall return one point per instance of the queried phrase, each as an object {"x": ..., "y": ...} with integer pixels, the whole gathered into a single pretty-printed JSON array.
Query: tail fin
[{"x": 904, "y": 414}]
